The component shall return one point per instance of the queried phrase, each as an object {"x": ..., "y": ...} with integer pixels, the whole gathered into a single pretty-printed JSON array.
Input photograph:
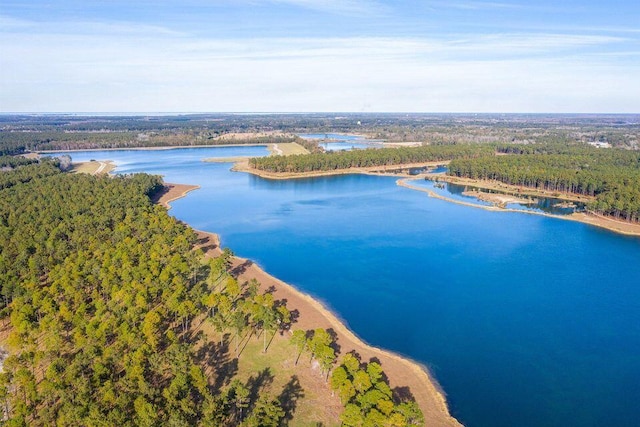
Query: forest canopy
[
  {"x": 367, "y": 158},
  {"x": 101, "y": 289},
  {"x": 611, "y": 175}
]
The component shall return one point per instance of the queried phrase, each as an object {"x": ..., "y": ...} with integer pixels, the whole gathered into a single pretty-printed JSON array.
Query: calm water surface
[
  {"x": 524, "y": 320},
  {"x": 455, "y": 192},
  {"x": 341, "y": 142}
]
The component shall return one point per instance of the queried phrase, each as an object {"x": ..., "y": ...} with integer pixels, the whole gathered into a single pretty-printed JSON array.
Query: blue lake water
[
  {"x": 341, "y": 142},
  {"x": 524, "y": 320}
]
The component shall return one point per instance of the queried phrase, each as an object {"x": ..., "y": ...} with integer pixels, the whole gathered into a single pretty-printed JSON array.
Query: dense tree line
[
  {"x": 367, "y": 158},
  {"x": 10, "y": 146},
  {"x": 52, "y": 140},
  {"x": 611, "y": 175},
  {"x": 28, "y": 172},
  {"x": 101, "y": 287},
  {"x": 10, "y": 162},
  {"x": 552, "y": 147},
  {"x": 19, "y": 142}
]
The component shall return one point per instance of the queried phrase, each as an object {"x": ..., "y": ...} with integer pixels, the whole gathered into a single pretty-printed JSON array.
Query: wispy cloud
[
  {"x": 572, "y": 29},
  {"x": 476, "y": 5},
  {"x": 341, "y": 7},
  {"x": 501, "y": 72},
  {"x": 98, "y": 64},
  {"x": 486, "y": 46}
]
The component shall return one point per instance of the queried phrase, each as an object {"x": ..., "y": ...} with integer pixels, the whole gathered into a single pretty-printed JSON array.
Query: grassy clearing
[
  {"x": 301, "y": 388},
  {"x": 279, "y": 149},
  {"x": 288, "y": 148},
  {"x": 93, "y": 167},
  {"x": 86, "y": 167}
]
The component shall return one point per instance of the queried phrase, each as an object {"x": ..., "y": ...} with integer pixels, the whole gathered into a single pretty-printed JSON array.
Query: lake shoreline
[
  {"x": 244, "y": 166},
  {"x": 508, "y": 188},
  {"x": 610, "y": 224},
  {"x": 313, "y": 314},
  {"x": 158, "y": 148},
  {"x": 173, "y": 192}
]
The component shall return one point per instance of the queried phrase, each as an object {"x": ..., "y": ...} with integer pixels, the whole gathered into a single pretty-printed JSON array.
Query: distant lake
[
  {"x": 524, "y": 320},
  {"x": 341, "y": 142}
]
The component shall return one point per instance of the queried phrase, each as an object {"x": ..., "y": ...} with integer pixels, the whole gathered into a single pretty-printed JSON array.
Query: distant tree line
[
  {"x": 19, "y": 142},
  {"x": 65, "y": 132}
]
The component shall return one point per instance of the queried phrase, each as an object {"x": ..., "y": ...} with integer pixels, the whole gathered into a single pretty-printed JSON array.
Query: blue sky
[{"x": 313, "y": 55}]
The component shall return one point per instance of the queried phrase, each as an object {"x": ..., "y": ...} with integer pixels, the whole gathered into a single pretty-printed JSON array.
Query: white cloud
[{"x": 148, "y": 69}]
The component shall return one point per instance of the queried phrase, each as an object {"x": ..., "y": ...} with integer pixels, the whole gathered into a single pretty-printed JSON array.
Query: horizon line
[{"x": 186, "y": 113}]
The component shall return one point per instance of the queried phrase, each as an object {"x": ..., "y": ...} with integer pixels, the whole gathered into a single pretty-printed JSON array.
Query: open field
[
  {"x": 94, "y": 167},
  {"x": 287, "y": 148}
]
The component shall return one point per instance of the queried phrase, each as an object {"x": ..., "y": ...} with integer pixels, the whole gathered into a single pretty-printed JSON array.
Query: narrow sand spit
[
  {"x": 611, "y": 224},
  {"x": 390, "y": 170},
  {"x": 312, "y": 314},
  {"x": 499, "y": 199},
  {"x": 173, "y": 192}
]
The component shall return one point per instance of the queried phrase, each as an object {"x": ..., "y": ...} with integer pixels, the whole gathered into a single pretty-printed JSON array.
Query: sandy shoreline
[
  {"x": 401, "y": 371},
  {"x": 499, "y": 199},
  {"x": 372, "y": 170},
  {"x": 616, "y": 226},
  {"x": 173, "y": 192},
  {"x": 499, "y": 186}
]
